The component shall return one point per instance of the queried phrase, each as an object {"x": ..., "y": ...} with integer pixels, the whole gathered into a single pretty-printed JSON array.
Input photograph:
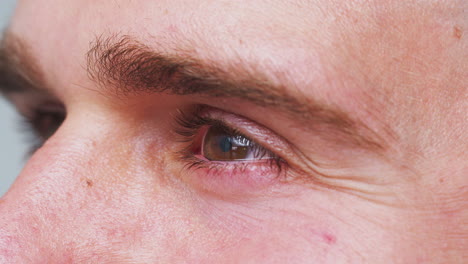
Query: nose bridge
[
  {"x": 60, "y": 188},
  {"x": 63, "y": 162},
  {"x": 9, "y": 248},
  {"x": 31, "y": 208},
  {"x": 73, "y": 191}
]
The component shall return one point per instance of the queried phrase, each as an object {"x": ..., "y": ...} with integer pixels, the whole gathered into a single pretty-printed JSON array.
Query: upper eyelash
[
  {"x": 188, "y": 124},
  {"x": 33, "y": 140}
]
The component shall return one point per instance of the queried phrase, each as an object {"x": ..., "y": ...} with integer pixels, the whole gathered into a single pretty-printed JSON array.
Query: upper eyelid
[{"x": 261, "y": 135}]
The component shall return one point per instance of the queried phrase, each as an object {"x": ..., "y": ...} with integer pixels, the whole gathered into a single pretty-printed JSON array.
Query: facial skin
[{"x": 363, "y": 105}]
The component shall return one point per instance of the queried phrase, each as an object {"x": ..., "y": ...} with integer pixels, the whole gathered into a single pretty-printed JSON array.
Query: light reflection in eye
[{"x": 219, "y": 144}]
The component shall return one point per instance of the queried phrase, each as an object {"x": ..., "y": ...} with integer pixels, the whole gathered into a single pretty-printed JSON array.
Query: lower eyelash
[
  {"x": 234, "y": 177},
  {"x": 197, "y": 161}
]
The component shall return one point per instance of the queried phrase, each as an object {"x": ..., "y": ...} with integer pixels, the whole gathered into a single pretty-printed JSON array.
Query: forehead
[
  {"x": 250, "y": 29},
  {"x": 306, "y": 31},
  {"x": 341, "y": 47}
]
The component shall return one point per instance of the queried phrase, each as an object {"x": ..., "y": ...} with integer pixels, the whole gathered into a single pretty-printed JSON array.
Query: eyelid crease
[
  {"x": 234, "y": 123},
  {"x": 261, "y": 135}
]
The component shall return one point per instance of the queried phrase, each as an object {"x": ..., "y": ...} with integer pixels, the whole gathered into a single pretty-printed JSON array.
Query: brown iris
[{"x": 220, "y": 144}]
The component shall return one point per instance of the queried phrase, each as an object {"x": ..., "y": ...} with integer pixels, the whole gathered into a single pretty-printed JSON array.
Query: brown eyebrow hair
[
  {"x": 19, "y": 70},
  {"x": 124, "y": 66}
]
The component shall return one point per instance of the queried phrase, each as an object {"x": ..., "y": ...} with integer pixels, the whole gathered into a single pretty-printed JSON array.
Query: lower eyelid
[{"x": 233, "y": 178}]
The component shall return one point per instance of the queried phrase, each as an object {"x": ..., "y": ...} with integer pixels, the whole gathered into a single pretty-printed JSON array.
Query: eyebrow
[
  {"x": 125, "y": 66},
  {"x": 19, "y": 71}
]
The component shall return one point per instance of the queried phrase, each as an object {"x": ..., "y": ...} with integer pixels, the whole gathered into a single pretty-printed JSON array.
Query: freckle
[
  {"x": 457, "y": 32},
  {"x": 89, "y": 183},
  {"x": 441, "y": 180},
  {"x": 329, "y": 238}
]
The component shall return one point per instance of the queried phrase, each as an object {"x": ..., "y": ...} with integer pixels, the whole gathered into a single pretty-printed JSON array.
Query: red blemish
[
  {"x": 329, "y": 238},
  {"x": 173, "y": 28}
]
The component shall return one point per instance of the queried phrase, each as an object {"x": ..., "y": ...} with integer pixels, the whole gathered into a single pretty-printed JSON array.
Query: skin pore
[{"x": 358, "y": 110}]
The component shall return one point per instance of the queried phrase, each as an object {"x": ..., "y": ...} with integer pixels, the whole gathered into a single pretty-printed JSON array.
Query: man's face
[{"x": 239, "y": 132}]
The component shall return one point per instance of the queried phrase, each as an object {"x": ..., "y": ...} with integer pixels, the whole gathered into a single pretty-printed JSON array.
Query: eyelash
[
  {"x": 38, "y": 132},
  {"x": 188, "y": 127}
]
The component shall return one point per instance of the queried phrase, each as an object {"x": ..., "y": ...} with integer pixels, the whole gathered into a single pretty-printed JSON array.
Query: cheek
[
  {"x": 233, "y": 182},
  {"x": 98, "y": 201},
  {"x": 269, "y": 230},
  {"x": 285, "y": 246}
]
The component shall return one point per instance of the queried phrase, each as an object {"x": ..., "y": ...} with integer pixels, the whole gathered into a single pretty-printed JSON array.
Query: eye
[
  {"x": 212, "y": 138},
  {"x": 221, "y": 144},
  {"x": 226, "y": 155},
  {"x": 45, "y": 120}
]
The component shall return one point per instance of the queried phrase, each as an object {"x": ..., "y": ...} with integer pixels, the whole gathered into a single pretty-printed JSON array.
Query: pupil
[{"x": 225, "y": 144}]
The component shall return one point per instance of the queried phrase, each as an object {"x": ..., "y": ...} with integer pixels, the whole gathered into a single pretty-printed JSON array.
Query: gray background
[{"x": 13, "y": 147}]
